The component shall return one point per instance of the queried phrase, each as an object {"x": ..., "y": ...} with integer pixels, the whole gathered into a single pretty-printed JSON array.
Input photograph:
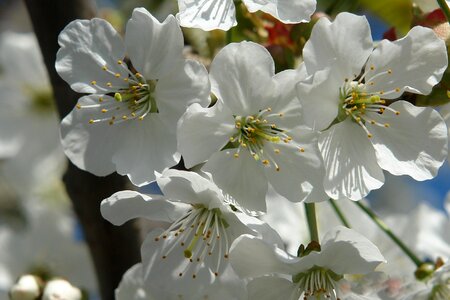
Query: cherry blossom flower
[
  {"x": 191, "y": 255},
  {"x": 128, "y": 121},
  {"x": 314, "y": 276},
  {"x": 253, "y": 136},
  {"x": 213, "y": 14},
  {"x": 363, "y": 130},
  {"x": 436, "y": 288},
  {"x": 30, "y": 149}
]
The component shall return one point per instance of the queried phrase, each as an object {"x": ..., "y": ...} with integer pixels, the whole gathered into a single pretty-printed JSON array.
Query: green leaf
[{"x": 397, "y": 13}]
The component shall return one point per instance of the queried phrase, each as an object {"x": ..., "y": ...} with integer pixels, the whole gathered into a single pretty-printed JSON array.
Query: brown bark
[{"x": 113, "y": 249}]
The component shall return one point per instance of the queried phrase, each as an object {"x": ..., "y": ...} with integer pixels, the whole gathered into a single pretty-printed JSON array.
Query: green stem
[
  {"x": 229, "y": 36},
  {"x": 312, "y": 222},
  {"x": 445, "y": 9},
  {"x": 339, "y": 213},
  {"x": 388, "y": 231}
]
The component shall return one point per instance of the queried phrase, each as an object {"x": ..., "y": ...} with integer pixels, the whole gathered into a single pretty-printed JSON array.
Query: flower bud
[
  {"x": 26, "y": 288},
  {"x": 57, "y": 289}
]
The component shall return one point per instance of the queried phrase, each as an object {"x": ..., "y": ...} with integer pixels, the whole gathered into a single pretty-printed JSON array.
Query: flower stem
[
  {"x": 312, "y": 222},
  {"x": 445, "y": 9},
  {"x": 339, "y": 213},
  {"x": 388, "y": 231}
]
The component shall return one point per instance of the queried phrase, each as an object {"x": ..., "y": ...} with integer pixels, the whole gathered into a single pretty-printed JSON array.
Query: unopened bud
[
  {"x": 57, "y": 289},
  {"x": 26, "y": 288}
]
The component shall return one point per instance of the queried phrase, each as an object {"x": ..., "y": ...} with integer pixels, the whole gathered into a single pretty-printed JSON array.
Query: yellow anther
[
  {"x": 111, "y": 122},
  {"x": 138, "y": 75},
  {"x": 78, "y": 106},
  {"x": 251, "y": 118},
  {"x": 238, "y": 125},
  {"x": 372, "y": 122},
  {"x": 397, "y": 90},
  {"x": 358, "y": 119},
  {"x": 109, "y": 84},
  {"x": 389, "y": 71},
  {"x": 277, "y": 168},
  {"x": 369, "y": 136},
  {"x": 117, "y": 75},
  {"x": 381, "y": 92},
  {"x": 244, "y": 145},
  {"x": 286, "y": 140},
  {"x": 119, "y": 62},
  {"x": 141, "y": 118},
  {"x": 100, "y": 99},
  {"x": 124, "y": 117},
  {"x": 372, "y": 67},
  {"x": 104, "y": 68},
  {"x": 277, "y": 151},
  {"x": 281, "y": 114},
  {"x": 301, "y": 149},
  {"x": 93, "y": 82},
  {"x": 346, "y": 79},
  {"x": 140, "y": 84},
  {"x": 118, "y": 97},
  {"x": 371, "y": 83},
  {"x": 91, "y": 121},
  {"x": 269, "y": 109},
  {"x": 236, "y": 155},
  {"x": 265, "y": 162},
  {"x": 386, "y": 125},
  {"x": 104, "y": 110},
  {"x": 231, "y": 139},
  {"x": 125, "y": 79},
  {"x": 397, "y": 113},
  {"x": 133, "y": 114}
]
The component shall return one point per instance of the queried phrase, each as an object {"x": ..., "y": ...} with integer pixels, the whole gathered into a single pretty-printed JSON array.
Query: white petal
[
  {"x": 272, "y": 288},
  {"x": 21, "y": 59},
  {"x": 203, "y": 131},
  {"x": 415, "y": 143},
  {"x": 345, "y": 43},
  {"x": 89, "y": 146},
  {"x": 145, "y": 146},
  {"x": 417, "y": 62},
  {"x": 350, "y": 162},
  {"x": 287, "y": 11},
  {"x": 241, "y": 76},
  {"x": 155, "y": 48},
  {"x": 86, "y": 47},
  {"x": 301, "y": 172},
  {"x": 319, "y": 97},
  {"x": 445, "y": 113},
  {"x": 131, "y": 285},
  {"x": 161, "y": 275},
  {"x": 242, "y": 178},
  {"x": 185, "y": 85},
  {"x": 126, "y": 205},
  {"x": 207, "y": 14},
  {"x": 252, "y": 257},
  {"x": 189, "y": 187},
  {"x": 346, "y": 251}
]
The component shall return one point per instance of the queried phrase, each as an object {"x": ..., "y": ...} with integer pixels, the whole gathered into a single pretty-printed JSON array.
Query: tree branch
[{"x": 113, "y": 249}]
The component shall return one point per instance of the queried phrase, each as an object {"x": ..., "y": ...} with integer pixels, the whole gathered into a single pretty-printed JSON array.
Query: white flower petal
[
  {"x": 272, "y": 288},
  {"x": 287, "y": 11},
  {"x": 189, "y": 187},
  {"x": 350, "y": 162},
  {"x": 145, "y": 146},
  {"x": 414, "y": 144},
  {"x": 301, "y": 172},
  {"x": 445, "y": 113},
  {"x": 87, "y": 46},
  {"x": 155, "y": 48},
  {"x": 89, "y": 146},
  {"x": 207, "y": 14},
  {"x": 203, "y": 131},
  {"x": 21, "y": 59},
  {"x": 131, "y": 285},
  {"x": 241, "y": 76},
  {"x": 126, "y": 205},
  {"x": 242, "y": 178},
  {"x": 319, "y": 97},
  {"x": 252, "y": 257},
  {"x": 417, "y": 62},
  {"x": 345, "y": 251},
  {"x": 345, "y": 43},
  {"x": 185, "y": 85}
]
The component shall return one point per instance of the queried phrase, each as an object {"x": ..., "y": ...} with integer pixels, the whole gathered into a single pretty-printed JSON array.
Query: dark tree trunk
[{"x": 113, "y": 249}]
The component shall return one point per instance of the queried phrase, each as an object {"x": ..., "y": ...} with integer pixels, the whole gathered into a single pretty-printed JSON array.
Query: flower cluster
[{"x": 324, "y": 130}]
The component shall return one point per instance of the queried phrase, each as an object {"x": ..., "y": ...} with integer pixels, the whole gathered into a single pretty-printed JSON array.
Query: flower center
[
  {"x": 253, "y": 132},
  {"x": 356, "y": 102},
  {"x": 317, "y": 282},
  {"x": 202, "y": 234},
  {"x": 133, "y": 102},
  {"x": 441, "y": 291}
]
